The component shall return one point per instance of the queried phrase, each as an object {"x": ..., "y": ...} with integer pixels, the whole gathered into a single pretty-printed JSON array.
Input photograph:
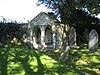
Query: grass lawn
[{"x": 19, "y": 60}]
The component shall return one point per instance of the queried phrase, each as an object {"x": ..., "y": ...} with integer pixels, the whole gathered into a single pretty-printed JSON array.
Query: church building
[{"x": 45, "y": 32}]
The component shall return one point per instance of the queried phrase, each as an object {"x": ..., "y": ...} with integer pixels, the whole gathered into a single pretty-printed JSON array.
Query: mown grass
[{"x": 20, "y": 60}]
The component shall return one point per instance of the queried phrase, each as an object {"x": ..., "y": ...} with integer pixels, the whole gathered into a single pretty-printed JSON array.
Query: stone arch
[
  {"x": 48, "y": 35},
  {"x": 37, "y": 34},
  {"x": 36, "y": 37}
]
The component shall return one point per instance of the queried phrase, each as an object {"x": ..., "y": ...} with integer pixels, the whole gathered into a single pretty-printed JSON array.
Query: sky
[{"x": 20, "y": 10}]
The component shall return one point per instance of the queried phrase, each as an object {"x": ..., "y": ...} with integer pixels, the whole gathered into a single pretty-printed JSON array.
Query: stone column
[
  {"x": 54, "y": 36},
  {"x": 34, "y": 43},
  {"x": 30, "y": 38},
  {"x": 42, "y": 37},
  {"x": 31, "y": 34},
  {"x": 54, "y": 39}
]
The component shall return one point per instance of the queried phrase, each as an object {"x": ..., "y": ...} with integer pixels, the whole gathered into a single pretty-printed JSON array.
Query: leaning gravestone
[
  {"x": 72, "y": 37},
  {"x": 93, "y": 40}
]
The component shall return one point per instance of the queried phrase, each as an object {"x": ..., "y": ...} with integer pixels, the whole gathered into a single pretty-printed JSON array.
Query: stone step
[{"x": 49, "y": 47}]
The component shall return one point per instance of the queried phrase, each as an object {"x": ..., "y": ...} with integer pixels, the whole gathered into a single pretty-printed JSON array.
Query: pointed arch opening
[
  {"x": 37, "y": 35},
  {"x": 48, "y": 35}
]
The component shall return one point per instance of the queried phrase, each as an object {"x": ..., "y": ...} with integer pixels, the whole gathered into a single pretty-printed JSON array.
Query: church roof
[{"x": 43, "y": 19}]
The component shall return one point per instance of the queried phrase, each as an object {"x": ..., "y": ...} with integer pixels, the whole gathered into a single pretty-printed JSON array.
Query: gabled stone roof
[{"x": 43, "y": 19}]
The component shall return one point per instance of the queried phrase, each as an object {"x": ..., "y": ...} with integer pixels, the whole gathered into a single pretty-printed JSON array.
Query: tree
[
  {"x": 65, "y": 8},
  {"x": 77, "y": 13}
]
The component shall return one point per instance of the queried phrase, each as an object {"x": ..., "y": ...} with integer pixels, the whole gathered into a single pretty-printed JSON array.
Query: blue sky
[{"x": 20, "y": 9}]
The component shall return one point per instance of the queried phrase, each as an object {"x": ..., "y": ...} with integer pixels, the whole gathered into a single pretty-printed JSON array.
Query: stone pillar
[
  {"x": 54, "y": 40},
  {"x": 31, "y": 34},
  {"x": 30, "y": 38},
  {"x": 34, "y": 43},
  {"x": 42, "y": 37}
]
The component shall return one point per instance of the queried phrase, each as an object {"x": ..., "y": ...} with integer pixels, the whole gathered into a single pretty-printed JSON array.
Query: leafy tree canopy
[{"x": 64, "y": 8}]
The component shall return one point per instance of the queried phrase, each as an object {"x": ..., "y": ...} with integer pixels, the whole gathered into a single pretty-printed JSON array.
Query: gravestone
[
  {"x": 64, "y": 55},
  {"x": 93, "y": 40},
  {"x": 72, "y": 37}
]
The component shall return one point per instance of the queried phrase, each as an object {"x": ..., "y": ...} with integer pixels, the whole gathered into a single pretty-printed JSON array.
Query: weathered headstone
[
  {"x": 93, "y": 40},
  {"x": 72, "y": 37},
  {"x": 64, "y": 55}
]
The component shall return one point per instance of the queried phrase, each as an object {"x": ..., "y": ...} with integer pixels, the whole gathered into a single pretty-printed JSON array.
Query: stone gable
[{"x": 43, "y": 19}]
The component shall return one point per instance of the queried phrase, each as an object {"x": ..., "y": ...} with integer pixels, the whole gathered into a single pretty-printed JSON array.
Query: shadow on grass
[
  {"x": 23, "y": 56},
  {"x": 26, "y": 66},
  {"x": 24, "y": 61},
  {"x": 13, "y": 60},
  {"x": 17, "y": 60},
  {"x": 40, "y": 65},
  {"x": 84, "y": 62},
  {"x": 81, "y": 62},
  {"x": 3, "y": 61}
]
